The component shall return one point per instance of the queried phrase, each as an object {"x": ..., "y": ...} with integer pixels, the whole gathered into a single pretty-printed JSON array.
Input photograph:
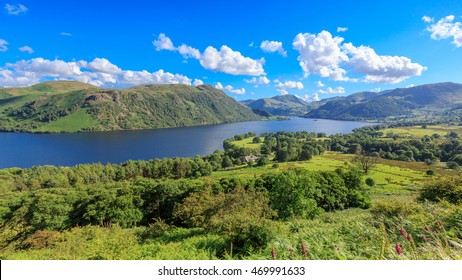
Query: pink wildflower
[
  {"x": 273, "y": 253},
  {"x": 402, "y": 232},
  {"x": 304, "y": 251},
  {"x": 398, "y": 249}
]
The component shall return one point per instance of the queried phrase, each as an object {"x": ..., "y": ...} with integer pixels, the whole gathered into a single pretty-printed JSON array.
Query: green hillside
[
  {"x": 401, "y": 102},
  {"x": 72, "y": 106}
]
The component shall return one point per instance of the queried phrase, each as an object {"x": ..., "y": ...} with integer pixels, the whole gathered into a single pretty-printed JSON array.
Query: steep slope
[
  {"x": 391, "y": 103},
  {"x": 94, "y": 109},
  {"x": 281, "y": 105}
]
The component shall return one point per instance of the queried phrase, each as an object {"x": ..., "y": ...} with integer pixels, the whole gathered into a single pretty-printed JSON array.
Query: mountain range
[
  {"x": 400, "y": 102},
  {"x": 67, "y": 106},
  {"x": 281, "y": 105}
]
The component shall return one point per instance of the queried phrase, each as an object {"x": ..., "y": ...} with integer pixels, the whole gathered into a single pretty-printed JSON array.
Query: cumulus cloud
[
  {"x": 273, "y": 46},
  {"x": 305, "y": 97},
  {"x": 189, "y": 52},
  {"x": 104, "y": 66},
  {"x": 428, "y": 19},
  {"x": 445, "y": 28},
  {"x": 320, "y": 84},
  {"x": 342, "y": 29},
  {"x": 329, "y": 57},
  {"x": 163, "y": 43},
  {"x": 321, "y": 54},
  {"x": 379, "y": 68},
  {"x": 329, "y": 90},
  {"x": 3, "y": 47},
  {"x": 224, "y": 60},
  {"x": 26, "y": 49},
  {"x": 283, "y": 91},
  {"x": 65, "y": 34},
  {"x": 99, "y": 72},
  {"x": 197, "y": 82},
  {"x": 229, "y": 89},
  {"x": 290, "y": 85},
  {"x": 17, "y": 9},
  {"x": 315, "y": 97},
  {"x": 258, "y": 81}
]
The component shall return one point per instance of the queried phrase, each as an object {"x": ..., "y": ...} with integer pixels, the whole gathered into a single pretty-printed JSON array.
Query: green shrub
[
  {"x": 449, "y": 189},
  {"x": 370, "y": 182}
]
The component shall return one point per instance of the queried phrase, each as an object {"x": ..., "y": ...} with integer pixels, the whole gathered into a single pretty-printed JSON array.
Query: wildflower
[
  {"x": 273, "y": 253},
  {"x": 427, "y": 228},
  {"x": 409, "y": 237},
  {"x": 424, "y": 237},
  {"x": 398, "y": 249},
  {"x": 304, "y": 251},
  {"x": 402, "y": 232},
  {"x": 291, "y": 250},
  {"x": 440, "y": 223},
  {"x": 436, "y": 231}
]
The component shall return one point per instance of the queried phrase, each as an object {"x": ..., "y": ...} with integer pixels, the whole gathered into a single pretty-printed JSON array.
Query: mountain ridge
[{"x": 48, "y": 107}]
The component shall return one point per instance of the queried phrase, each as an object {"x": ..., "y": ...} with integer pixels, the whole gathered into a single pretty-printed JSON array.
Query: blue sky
[{"x": 250, "y": 49}]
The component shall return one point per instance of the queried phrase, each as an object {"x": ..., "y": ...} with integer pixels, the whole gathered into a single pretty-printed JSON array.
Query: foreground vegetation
[{"x": 298, "y": 195}]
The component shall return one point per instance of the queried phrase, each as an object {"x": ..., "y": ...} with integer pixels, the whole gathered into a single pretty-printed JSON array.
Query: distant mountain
[
  {"x": 73, "y": 106},
  {"x": 281, "y": 105},
  {"x": 391, "y": 103}
]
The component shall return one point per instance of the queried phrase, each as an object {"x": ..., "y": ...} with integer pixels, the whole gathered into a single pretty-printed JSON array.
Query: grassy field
[
  {"x": 73, "y": 123},
  {"x": 418, "y": 131}
]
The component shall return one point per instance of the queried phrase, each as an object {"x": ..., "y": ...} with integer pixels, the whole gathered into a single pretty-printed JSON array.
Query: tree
[
  {"x": 366, "y": 161},
  {"x": 256, "y": 139}
]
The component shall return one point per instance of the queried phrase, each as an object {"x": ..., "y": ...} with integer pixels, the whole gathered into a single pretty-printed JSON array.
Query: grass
[
  {"x": 419, "y": 132},
  {"x": 73, "y": 123},
  {"x": 247, "y": 143}
]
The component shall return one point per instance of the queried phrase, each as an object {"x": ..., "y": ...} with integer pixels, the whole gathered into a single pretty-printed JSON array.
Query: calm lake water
[{"x": 68, "y": 149}]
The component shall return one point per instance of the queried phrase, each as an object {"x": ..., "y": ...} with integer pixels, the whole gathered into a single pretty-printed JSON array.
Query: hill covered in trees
[
  {"x": 65, "y": 106},
  {"x": 400, "y": 102}
]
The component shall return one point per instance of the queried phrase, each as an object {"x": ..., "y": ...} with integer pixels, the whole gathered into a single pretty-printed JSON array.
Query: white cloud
[
  {"x": 99, "y": 72},
  {"x": 376, "y": 90},
  {"x": 231, "y": 62},
  {"x": 342, "y": 29},
  {"x": 189, "y": 52},
  {"x": 320, "y": 84},
  {"x": 321, "y": 54},
  {"x": 328, "y": 57},
  {"x": 3, "y": 47},
  {"x": 273, "y": 46},
  {"x": 283, "y": 91},
  {"x": 26, "y": 49},
  {"x": 315, "y": 97},
  {"x": 329, "y": 90},
  {"x": 163, "y": 43},
  {"x": 229, "y": 89},
  {"x": 258, "y": 81},
  {"x": 15, "y": 9},
  {"x": 379, "y": 68},
  {"x": 445, "y": 28},
  {"x": 198, "y": 82},
  {"x": 104, "y": 66},
  {"x": 251, "y": 44},
  {"x": 224, "y": 60},
  {"x": 305, "y": 98},
  {"x": 290, "y": 85},
  {"x": 410, "y": 86},
  {"x": 65, "y": 34},
  {"x": 428, "y": 19}
]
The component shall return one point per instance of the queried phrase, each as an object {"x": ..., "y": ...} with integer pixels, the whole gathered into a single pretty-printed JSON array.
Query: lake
[{"x": 68, "y": 149}]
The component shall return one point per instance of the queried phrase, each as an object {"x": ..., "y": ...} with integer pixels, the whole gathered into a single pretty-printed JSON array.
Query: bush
[
  {"x": 452, "y": 165},
  {"x": 430, "y": 172},
  {"x": 370, "y": 182},
  {"x": 449, "y": 189}
]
